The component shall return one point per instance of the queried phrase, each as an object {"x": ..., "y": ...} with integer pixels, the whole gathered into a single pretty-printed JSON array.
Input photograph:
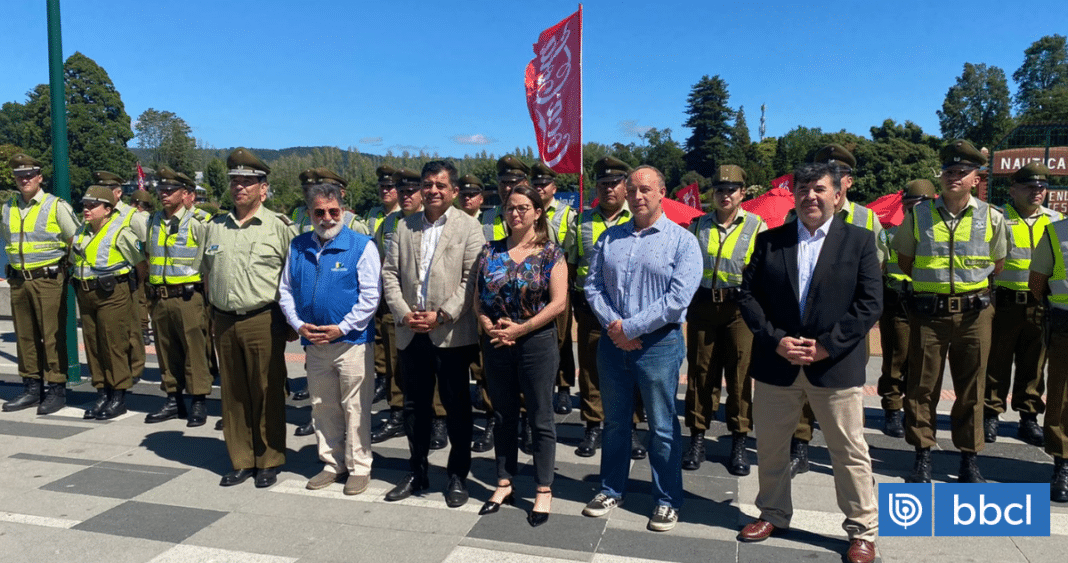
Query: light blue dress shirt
[
  {"x": 645, "y": 278},
  {"x": 808, "y": 253}
]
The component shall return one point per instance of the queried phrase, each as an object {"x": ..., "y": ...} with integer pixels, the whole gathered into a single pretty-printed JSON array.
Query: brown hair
[{"x": 541, "y": 226}]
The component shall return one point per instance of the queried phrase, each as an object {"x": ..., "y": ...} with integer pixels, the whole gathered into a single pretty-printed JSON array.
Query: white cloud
[
  {"x": 476, "y": 139},
  {"x": 371, "y": 141},
  {"x": 630, "y": 127}
]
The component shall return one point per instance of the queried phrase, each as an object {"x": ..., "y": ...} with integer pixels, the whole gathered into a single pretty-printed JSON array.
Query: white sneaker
[
  {"x": 663, "y": 519},
  {"x": 600, "y": 505}
]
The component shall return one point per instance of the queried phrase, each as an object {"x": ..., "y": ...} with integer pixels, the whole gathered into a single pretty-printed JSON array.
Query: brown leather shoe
[
  {"x": 758, "y": 530},
  {"x": 861, "y": 551}
]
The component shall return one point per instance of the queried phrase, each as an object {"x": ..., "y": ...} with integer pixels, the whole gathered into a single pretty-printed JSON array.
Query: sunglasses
[{"x": 334, "y": 212}]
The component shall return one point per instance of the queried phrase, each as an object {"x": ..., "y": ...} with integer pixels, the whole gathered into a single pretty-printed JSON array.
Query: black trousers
[
  {"x": 528, "y": 367},
  {"x": 422, "y": 364}
]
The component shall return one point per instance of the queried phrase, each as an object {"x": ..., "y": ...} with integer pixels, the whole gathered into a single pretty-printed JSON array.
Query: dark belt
[
  {"x": 49, "y": 272},
  {"x": 94, "y": 283},
  {"x": 169, "y": 291},
  {"x": 727, "y": 295},
  {"x": 942, "y": 304},
  {"x": 243, "y": 314},
  {"x": 1011, "y": 296}
]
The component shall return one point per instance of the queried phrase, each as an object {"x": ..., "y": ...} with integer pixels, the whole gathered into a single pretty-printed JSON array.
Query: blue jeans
[{"x": 654, "y": 370}]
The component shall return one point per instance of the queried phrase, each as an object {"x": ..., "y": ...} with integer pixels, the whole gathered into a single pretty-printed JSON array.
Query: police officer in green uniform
[
  {"x": 471, "y": 195},
  {"x": 1048, "y": 278},
  {"x": 718, "y": 341},
  {"x": 36, "y": 228},
  {"x": 142, "y": 202},
  {"x": 107, "y": 268},
  {"x": 175, "y": 290},
  {"x": 950, "y": 247},
  {"x": 511, "y": 172},
  {"x": 384, "y": 362},
  {"x": 854, "y": 215},
  {"x": 1018, "y": 316},
  {"x": 561, "y": 218},
  {"x": 136, "y": 221},
  {"x": 244, "y": 252},
  {"x": 610, "y": 175},
  {"x": 323, "y": 175},
  {"x": 894, "y": 322}
]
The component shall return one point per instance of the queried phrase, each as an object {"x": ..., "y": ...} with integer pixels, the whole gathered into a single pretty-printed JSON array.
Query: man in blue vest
[{"x": 329, "y": 292}]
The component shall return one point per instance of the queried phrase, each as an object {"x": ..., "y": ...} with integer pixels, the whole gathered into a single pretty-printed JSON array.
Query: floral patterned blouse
[{"x": 514, "y": 290}]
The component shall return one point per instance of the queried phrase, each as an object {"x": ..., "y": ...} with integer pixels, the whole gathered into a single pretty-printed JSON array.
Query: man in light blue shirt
[{"x": 643, "y": 275}]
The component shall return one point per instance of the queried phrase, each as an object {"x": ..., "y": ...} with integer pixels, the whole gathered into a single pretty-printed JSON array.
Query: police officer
[
  {"x": 324, "y": 175},
  {"x": 471, "y": 196},
  {"x": 610, "y": 175},
  {"x": 511, "y": 172},
  {"x": 561, "y": 218},
  {"x": 108, "y": 265},
  {"x": 387, "y": 192},
  {"x": 894, "y": 322},
  {"x": 36, "y": 228},
  {"x": 853, "y": 214},
  {"x": 384, "y": 365},
  {"x": 244, "y": 252},
  {"x": 950, "y": 247},
  {"x": 142, "y": 202},
  {"x": 718, "y": 341},
  {"x": 175, "y": 290},
  {"x": 1018, "y": 316},
  {"x": 1048, "y": 278}
]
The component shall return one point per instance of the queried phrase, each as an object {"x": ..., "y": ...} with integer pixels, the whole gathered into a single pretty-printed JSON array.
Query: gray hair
[{"x": 325, "y": 191}]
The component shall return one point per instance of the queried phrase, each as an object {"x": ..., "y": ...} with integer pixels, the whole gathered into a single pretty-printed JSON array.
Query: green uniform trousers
[
  {"x": 137, "y": 342},
  {"x": 182, "y": 343},
  {"x": 719, "y": 344},
  {"x": 1055, "y": 423},
  {"x": 39, "y": 312},
  {"x": 565, "y": 377},
  {"x": 894, "y": 339},
  {"x": 1018, "y": 331},
  {"x": 108, "y": 320},
  {"x": 589, "y": 334},
  {"x": 963, "y": 338},
  {"x": 253, "y": 373}
]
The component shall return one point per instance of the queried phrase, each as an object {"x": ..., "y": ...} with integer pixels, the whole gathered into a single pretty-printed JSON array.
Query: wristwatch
[{"x": 442, "y": 317}]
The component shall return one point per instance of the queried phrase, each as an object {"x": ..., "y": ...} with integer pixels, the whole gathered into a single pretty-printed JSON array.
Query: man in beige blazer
[{"x": 425, "y": 284}]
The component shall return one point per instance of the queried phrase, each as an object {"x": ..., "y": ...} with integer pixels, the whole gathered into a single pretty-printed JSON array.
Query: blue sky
[{"x": 447, "y": 77}]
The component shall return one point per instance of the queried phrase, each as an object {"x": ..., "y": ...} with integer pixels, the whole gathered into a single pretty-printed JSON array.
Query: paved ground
[{"x": 123, "y": 491}]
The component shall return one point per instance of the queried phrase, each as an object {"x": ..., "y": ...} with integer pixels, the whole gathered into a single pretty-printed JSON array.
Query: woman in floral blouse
[{"x": 522, "y": 287}]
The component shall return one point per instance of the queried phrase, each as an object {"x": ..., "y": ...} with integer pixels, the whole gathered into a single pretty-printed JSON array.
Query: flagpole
[{"x": 582, "y": 163}]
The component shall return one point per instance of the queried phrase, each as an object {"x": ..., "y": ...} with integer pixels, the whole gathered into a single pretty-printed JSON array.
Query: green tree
[
  {"x": 98, "y": 126},
  {"x": 7, "y": 176},
  {"x": 665, "y": 153},
  {"x": 168, "y": 138},
  {"x": 795, "y": 147},
  {"x": 739, "y": 152},
  {"x": 977, "y": 107},
  {"x": 709, "y": 119},
  {"x": 12, "y": 124},
  {"x": 1045, "y": 67},
  {"x": 1049, "y": 105},
  {"x": 215, "y": 175}
]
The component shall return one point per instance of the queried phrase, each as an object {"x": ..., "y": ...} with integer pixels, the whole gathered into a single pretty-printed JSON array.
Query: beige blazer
[{"x": 449, "y": 291}]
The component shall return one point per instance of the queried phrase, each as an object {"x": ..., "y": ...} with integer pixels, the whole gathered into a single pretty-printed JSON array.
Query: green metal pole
[{"x": 61, "y": 162}]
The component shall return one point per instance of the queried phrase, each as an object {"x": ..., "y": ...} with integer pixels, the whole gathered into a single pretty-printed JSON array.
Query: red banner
[
  {"x": 554, "y": 94},
  {"x": 140, "y": 177},
  {"x": 690, "y": 195},
  {"x": 785, "y": 182}
]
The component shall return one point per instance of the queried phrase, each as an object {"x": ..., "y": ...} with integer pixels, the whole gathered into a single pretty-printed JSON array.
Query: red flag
[
  {"x": 140, "y": 177},
  {"x": 690, "y": 195},
  {"x": 554, "y": 94},
  {"x": 785, "y": 182}
]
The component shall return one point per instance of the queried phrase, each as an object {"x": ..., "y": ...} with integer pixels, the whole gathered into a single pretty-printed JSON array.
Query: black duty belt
[
  {"x": 726, "y": 295},
  {"x": 244, "y": 314},
  {"x": 170, "y": 291},
  {"x": 1006, "y": 295},
  {"x": 44, "y": 272},
  {"x": 94, "y": 284},
  {"x": 942, "y": 304}
]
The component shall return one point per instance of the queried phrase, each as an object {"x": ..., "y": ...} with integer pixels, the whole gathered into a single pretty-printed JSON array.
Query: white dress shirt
[
  {"x": 431, "y": 235},
  {"x": 808, "y": 253}
]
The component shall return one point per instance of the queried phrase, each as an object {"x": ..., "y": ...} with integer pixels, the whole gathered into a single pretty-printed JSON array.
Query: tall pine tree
[{"x": 710, "y": 119}]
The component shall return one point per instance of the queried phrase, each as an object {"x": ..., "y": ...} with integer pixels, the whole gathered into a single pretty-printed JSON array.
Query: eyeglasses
[
  {"x": 334, "y": 212},
  {"x": 520, "y": 209}
]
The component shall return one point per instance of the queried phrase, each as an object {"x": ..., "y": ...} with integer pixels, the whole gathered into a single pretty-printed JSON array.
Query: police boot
[
  {"x": 30, "y": 396},
  {"x": 590, "y": 442},
  {"x": 392, "y": 427},
  {"x": 115, "y": 406},
  {"x": 102, "y": 396},
  {"x": 921, "y": 469},
  {"x": 167, "y": 412},
  {"x": 484, "y": 441},
  {"x": 969, "y": 470},
  {"x": 1058, "y": 485},
  {"x": 798, "y": 457},
  {"x": 55, "y": 398},
  {"x": 198, "y": 411},
  {"x": 990, "y": 429},
  {"x": 306, "y": 429},
  {"x": 695, "y": 454},
  {"x": 380, "y": 389},
  {"x": 439, "y": 434},
  {"x": 146, "y": 336},
  {"x": 739, "y": 461},
  {"x": 893, "y": 423},
  {"x": 1029, "y": 430},
  {"x": 637, "y": 448}
]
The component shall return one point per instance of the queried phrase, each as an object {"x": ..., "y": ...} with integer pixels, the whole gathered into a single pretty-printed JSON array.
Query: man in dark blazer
[{"x": 810, "y": 294}]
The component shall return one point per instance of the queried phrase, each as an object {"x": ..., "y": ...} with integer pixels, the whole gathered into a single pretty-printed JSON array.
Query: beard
[{"x": 327, "y": 232}]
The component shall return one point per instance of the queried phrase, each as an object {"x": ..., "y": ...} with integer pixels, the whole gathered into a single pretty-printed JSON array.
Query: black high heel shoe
[
  {"x": 535, "y": 518},
  {"x": 491, "y": 507}
]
